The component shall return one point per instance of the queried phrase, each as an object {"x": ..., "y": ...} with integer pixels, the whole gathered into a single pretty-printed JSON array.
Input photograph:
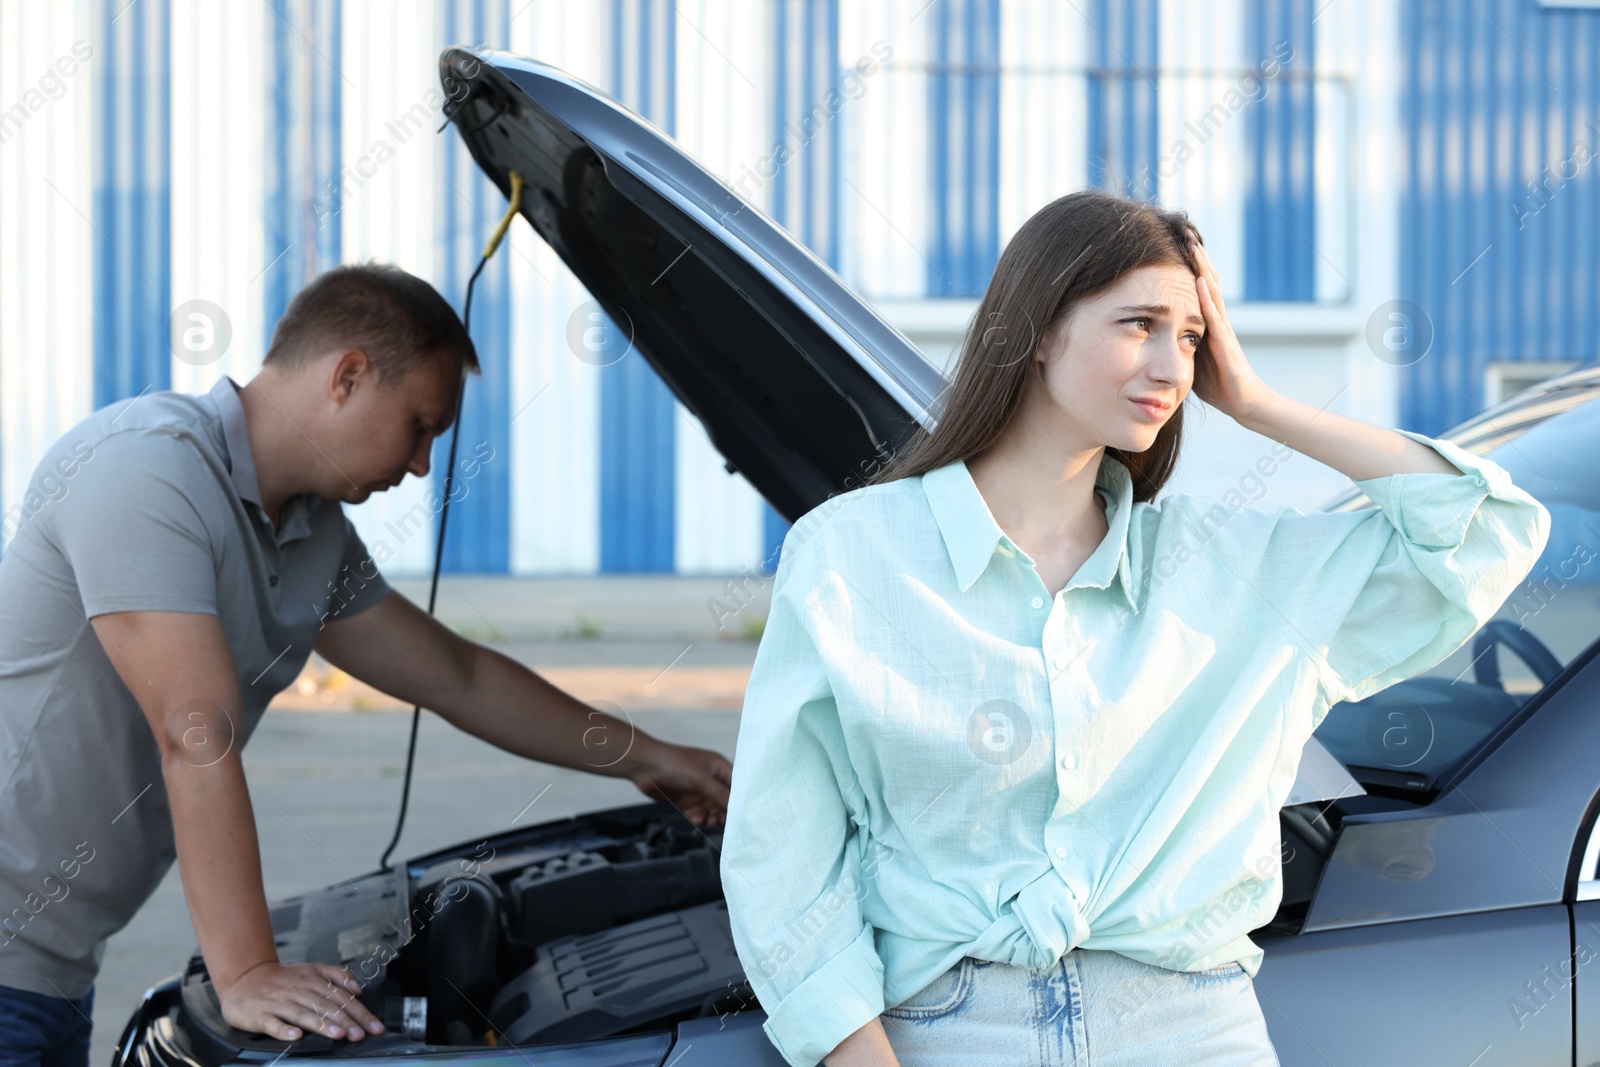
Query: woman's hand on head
[{"x": 1226, "y": 381}]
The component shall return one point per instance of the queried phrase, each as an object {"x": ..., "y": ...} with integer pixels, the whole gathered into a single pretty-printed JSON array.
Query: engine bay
[
  {"x": 600, "y": 926},
  {"x": 597, "y": 926}
]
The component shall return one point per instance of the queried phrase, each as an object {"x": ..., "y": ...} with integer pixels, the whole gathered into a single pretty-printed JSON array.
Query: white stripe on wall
[
  {"x": 1044, "y": 48},
  {"x": 46, "y": 275},
  {"x": 385, "y": 211},
  {"x": 885, "y": 150},
  {"x": 724, "y": 121},
  {"x": 555, "y": 396},
  {"x": 217, "y": 130},
  {"x": 1361, "y": 41},
  {"x": 1202, "y": 52}
]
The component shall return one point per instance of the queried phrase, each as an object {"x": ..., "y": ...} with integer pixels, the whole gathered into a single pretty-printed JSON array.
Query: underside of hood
[{"x": 799, "y": 385}]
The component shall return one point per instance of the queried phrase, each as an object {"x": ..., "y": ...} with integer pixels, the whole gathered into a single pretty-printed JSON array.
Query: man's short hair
[{"x": 396, "y": 318}]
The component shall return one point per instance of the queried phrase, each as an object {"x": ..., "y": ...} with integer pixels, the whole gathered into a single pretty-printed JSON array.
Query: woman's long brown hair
[{"x": 1070, "y": 249}]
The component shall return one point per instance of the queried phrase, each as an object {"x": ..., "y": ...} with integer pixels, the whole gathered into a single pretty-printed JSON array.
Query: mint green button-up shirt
[{"x": 937, "y": 757}]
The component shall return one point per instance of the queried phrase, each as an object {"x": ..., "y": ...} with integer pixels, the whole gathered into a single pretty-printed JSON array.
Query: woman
[{"x": 1015, "y": 740}]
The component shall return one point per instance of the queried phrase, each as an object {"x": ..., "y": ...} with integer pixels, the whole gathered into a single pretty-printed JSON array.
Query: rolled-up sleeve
[
  {"x": 791, "y": 861},
  {"x": 1379, "y": 595}
]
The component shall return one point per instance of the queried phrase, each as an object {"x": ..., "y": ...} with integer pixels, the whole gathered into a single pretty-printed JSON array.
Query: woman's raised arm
[{"x": 1372, "y": 597}]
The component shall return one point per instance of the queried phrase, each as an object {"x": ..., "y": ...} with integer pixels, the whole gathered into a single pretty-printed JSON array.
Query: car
[{"x": 1440, "y": 883}]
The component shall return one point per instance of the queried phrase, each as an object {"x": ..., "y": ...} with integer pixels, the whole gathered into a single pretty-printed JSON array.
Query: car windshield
[{"x": 1416, "y": 733}]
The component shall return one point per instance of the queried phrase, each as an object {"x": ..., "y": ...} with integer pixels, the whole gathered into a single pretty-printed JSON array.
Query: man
[{"x": 176, "y": 561}]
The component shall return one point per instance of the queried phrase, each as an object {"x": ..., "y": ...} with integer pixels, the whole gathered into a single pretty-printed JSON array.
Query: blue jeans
[
  {"x": 1091, "y": 1008},
  {"x": 43, "y": 1031}
]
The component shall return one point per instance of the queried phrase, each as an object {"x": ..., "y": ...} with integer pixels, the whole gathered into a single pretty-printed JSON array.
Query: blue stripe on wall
[
  {"x": 1123, "y": 121},
  {"x": 132, "y": 205},
  {"x": 637, "y": 411},
  {"x": 1503, "y": 266},
  {"x": 964, "y": 147},
  {"x": 302, "y": 161},
  {"x": 327, "y": 110},
  {"x": 278, "y": 238},
  {"x": 806, "y": 186},
  {"x": 1280, "y": 203},
  {"x": 467, "y": 206}
]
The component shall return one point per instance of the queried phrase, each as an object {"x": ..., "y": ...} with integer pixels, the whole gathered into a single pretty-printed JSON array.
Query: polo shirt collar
[
  {"x": 972, "y": 536},
  {"x": 242, "y": 464}
]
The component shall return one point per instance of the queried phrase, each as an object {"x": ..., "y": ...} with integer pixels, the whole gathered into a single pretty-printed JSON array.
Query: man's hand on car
[
  {"x": 288, "y": 1000},
  {"x": 693, "y": 780}
]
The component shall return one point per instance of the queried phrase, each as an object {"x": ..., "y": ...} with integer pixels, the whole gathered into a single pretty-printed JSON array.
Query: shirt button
[
  {"x": 1068, "y": 762},
  {"x": 1038, "y": 601},
  {"x": 1061, "y": 852},
  {"x": 274, "y": 580},
  {"x": 1059, "y": 662}
]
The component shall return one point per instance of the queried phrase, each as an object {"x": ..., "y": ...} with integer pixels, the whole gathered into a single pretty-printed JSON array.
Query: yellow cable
[{"x": 511, "y": 211}]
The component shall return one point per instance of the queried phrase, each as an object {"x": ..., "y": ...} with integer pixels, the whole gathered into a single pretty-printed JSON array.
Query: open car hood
[{"x": 799, "y": 385}]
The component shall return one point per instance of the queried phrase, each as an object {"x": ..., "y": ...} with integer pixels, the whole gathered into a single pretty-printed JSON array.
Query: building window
[{"x": 1502, "y": 381}]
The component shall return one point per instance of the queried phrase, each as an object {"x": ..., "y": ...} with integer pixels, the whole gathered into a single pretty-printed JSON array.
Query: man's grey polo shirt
[{"x": 149, "y": 504}]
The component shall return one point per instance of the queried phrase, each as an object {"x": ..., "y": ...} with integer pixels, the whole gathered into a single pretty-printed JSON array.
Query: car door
[
  {"x": 1444, "y": 932},
  {"x": 1586, "y": 940},
  {"x": 1461, "y": 989}
]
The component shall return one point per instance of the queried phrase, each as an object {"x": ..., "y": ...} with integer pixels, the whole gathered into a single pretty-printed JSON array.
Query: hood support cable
[{"x": 449, "y": 480}]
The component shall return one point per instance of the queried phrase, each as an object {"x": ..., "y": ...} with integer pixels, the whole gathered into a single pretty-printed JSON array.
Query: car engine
[{"x": 603, "y": 925}]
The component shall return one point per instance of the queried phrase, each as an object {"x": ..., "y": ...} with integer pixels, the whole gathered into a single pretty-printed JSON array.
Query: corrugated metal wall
[
  {"x": 170, "y": 152},
  {"x": 48, "y": 243},
  {"x": 302, "y": 154},
  {"x": 1501, "y": 199},
  {"x": 132, "y": 154},
  {"x": 1279, "y": 214},
  {"x": 1122, "y": 95},
  {"x": 963, "y": 146}
]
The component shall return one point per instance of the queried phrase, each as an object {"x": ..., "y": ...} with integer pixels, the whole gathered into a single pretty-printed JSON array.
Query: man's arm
[
  {"x": 178, "y": 666},
  {"x": 397, "y": 647}
]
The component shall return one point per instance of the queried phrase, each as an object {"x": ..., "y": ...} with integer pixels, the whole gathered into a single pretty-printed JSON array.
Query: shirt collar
[
  {"x": 236, "y": 434},
  {"x": 242, "y": 463},
  {"x": 971, "y": 535}
]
